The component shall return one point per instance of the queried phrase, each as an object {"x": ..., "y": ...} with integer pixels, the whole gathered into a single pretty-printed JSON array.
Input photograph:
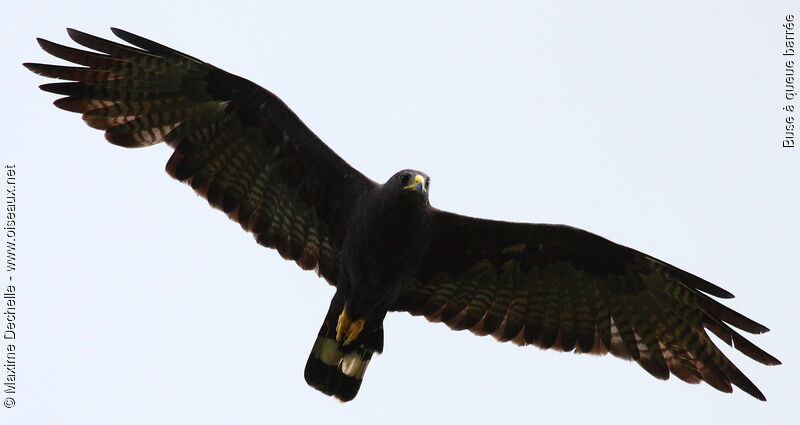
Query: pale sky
[{"x": 658, "y": 127}]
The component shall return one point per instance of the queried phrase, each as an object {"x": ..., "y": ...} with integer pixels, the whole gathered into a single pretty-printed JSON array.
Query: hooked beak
[{"x": 418, "y": 184}]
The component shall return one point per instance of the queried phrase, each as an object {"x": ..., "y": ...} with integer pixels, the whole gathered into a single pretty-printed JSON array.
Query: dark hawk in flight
[{"x": 382, "y": 245}]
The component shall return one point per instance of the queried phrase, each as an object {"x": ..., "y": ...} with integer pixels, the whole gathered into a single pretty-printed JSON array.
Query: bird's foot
[{"x": 347, "y": 328}]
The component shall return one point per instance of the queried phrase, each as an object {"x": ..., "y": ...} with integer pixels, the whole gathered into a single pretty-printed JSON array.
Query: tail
[{"x": 338, "y": 370}]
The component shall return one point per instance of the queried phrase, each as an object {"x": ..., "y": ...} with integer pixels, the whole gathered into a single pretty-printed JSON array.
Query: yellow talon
[
  {"x": 344, "y": 323},
  {"x": 354, "y": 330},
  {"x": 347, "y": 328}
]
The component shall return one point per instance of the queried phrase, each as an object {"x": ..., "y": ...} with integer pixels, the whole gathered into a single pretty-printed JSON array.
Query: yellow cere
[{"x": 417, "y": 179}]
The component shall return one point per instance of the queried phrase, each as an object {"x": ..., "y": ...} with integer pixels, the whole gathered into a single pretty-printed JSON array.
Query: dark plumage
[
  {"x": 380, "y": 256},
  {"x": 383, "y": 246}
]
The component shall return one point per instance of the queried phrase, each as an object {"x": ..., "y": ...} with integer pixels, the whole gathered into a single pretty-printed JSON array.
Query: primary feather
[{"x": 236, "y": 144}]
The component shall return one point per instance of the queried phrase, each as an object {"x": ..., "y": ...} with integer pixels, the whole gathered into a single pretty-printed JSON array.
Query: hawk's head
[{"x": 410, "y": 181}]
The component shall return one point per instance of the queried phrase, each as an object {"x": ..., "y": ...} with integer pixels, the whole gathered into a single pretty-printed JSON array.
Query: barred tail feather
[{"x": 338, "y": 370}]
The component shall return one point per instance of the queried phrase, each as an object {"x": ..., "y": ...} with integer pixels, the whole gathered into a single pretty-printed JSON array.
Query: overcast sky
[{"x": 657, "y": 127}]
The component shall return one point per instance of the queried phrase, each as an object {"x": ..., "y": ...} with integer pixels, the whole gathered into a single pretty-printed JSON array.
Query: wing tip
[
  {"x": 52, "y": 88},
  {"x": 721, "y": 293},
  {"x": 755, "y": 392},
  {"x": 127, "y": 35},
  {"x": 756, "y": 328},
  {"x": 72, "y": 33},
  {"x": 709, "y": 288},
  {"x": 121, "y": 33},
  {"x": 44, "y": 43},
  {"x": 47, "y": 45},
  {"x": 77, "y": 36}
]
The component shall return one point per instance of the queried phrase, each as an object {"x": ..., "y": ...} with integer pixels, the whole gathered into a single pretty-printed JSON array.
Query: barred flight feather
[
  {"x": 532, "y": 288},
  {"x": 233, "y": 140}
]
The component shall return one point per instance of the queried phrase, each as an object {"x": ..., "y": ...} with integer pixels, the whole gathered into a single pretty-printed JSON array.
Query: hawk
[{"x": 383, "y": 246}]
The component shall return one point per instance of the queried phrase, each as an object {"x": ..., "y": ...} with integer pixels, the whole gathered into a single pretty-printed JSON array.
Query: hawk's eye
[
  {"x": 404, "y": 179},
  {"x": 427, "y": 183}
]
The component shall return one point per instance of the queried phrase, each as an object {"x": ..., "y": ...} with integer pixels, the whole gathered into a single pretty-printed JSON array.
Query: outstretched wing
[
  {"x": 567, "y": 289},
  {"x": 236, "y": 143}
]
